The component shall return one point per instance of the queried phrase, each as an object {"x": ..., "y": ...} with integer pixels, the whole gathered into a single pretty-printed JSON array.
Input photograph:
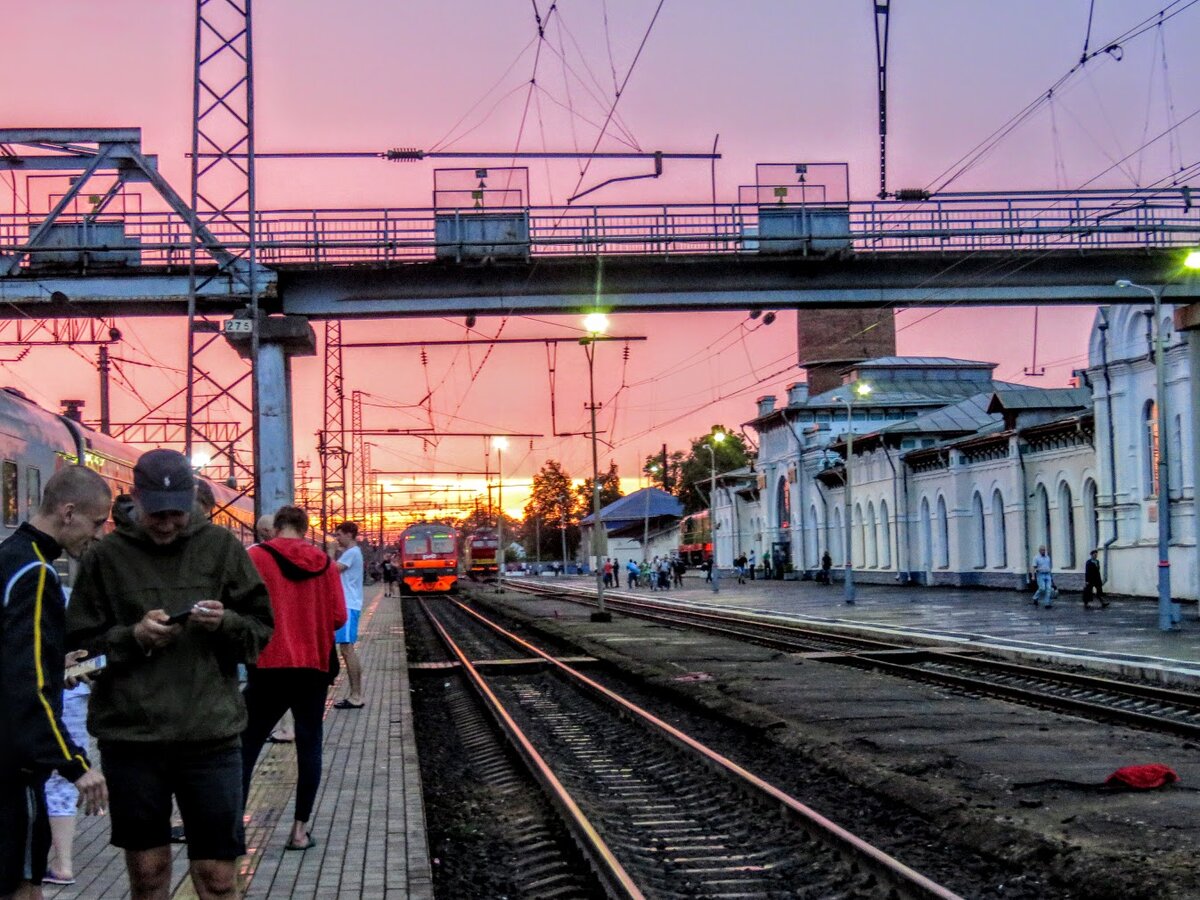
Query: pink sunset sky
[{"x": 778, "y": 80}]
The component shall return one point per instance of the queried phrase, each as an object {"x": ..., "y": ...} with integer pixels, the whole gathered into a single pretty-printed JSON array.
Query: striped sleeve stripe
[{"x": 37, "y": 651}]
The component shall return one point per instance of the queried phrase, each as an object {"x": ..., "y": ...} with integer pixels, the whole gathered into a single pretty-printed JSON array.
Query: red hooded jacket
[{"x": 307, "y": 600}]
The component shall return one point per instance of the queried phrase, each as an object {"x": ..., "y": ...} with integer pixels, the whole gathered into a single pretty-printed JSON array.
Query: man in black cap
[{"x": 176, "y": 605}]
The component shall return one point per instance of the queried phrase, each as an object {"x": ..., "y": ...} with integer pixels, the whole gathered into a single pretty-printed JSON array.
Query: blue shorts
[{"x": 348, "y": 633}]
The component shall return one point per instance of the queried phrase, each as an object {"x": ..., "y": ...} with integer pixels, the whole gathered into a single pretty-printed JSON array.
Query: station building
[{"x": 957, "y": 478}]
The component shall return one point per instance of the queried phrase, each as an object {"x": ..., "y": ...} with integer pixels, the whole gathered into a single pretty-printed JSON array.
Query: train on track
[
  {"x": 480, "y": 554},
  {"x": 427, "y": 561},
  {"x": 35, "y": 443},
  {"x": 695, "y": 538}
]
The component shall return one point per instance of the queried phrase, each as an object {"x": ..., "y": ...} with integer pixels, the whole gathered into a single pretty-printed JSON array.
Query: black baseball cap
[{"x": 163, "y": 481}]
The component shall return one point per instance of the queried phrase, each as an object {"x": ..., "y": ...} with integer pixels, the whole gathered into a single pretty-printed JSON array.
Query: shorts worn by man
[
  {"x": 168, "y": 712},
  {"x": 350, "y": 565},
  {"x": 73, "y": 510}
]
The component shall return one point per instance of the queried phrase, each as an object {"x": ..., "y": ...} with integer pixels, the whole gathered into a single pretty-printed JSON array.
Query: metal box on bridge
[
  {"x": 803, "y": 229},
  {"x": 482, "y": 235},
  {"x": 86, "y": 245}
]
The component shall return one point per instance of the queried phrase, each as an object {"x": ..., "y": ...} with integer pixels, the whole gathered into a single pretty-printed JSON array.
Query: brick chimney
[
  {"x": 73, "y": 410},
  {"x": 766, "y": 405},
  {"x": 797, "y": 393}
]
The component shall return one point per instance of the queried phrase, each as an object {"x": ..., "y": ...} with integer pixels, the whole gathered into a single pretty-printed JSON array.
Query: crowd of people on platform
[{"x": 198, "y": 647}]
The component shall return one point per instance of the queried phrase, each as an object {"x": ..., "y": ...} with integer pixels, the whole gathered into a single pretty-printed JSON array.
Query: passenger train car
[
  {"x": 428, "y": 560},
  {"x": 695, "y": 538},
  {"x": 35, "y": 443},
  {"x": 482, "y": 548}
]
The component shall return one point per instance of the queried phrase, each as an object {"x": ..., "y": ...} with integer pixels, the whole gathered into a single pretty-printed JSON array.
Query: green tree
[
  {"x": 551, "y": 511},
  {"x": 671, "y": 479},
  {"x": 610, "y": 491},
  {"x": 697, "y": 467}
]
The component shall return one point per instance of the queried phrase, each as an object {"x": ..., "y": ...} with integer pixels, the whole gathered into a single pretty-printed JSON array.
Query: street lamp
[
  {"x": 717, "y": 438},
  {"x": 501, "y": 444},
  {"x": 1168, "y": 612},
  {"x": 562, "y": 528},
  {"x": 646, "y": 521},
  {"x": 862, "y": 389},
  {"x": 595, "y": 325}
]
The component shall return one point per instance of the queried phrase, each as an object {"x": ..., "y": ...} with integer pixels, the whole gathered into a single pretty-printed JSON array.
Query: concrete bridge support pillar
[{"x": 279, "y": 339}]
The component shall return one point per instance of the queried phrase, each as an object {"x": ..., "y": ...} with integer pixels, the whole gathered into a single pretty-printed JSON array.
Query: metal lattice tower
[
  {"x": 332, "y": 443},
  {"x": 222, "y": 199},
  {"x": 360, "y": 462},
  {"x": 303, "y": 488}
]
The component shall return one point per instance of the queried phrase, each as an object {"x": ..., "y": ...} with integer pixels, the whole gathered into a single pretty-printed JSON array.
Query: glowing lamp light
[
  {"x": 595, "y": 323},
  {"x": 200, "y": 459},
  {"x": 500, "y": 442},
  {"x": 1192, "y": 260},
  {"x": 862, "y": 389},
  {"x": 718, "y": 436}
]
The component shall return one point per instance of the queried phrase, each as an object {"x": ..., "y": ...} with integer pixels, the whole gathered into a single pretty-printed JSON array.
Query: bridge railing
[{"x": 984, "y": 222}]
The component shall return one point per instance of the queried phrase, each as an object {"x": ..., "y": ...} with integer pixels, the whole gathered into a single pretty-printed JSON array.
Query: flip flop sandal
[{"x": 308, "y": 845}]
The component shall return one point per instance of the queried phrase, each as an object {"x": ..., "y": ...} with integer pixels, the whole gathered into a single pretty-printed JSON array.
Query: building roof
[
  {"x": 922, "y": 362},
  {"x": 1040, "y": 398},
  {"x": 638, "y": 506},
  {"x": 909, "y": 392}
]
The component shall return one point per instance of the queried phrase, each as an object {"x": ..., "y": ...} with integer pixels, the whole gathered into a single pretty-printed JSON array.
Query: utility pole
[
  {"x": 102, "y": 365},
  {"x": 882, "y": 22}
]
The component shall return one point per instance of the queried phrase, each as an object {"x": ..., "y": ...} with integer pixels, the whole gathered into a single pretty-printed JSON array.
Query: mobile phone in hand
[
  {"x": 178, "y": 618},
  {"x": 87, "y": 666}
]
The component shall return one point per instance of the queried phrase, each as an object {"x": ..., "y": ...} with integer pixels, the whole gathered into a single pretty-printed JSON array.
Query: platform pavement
[
  {"x": 369, "y": 819},
  {"x": 1123, "y": 638}
]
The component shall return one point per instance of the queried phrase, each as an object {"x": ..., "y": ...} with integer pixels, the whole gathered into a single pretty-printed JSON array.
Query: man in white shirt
[
  {"x": 1041, "y": 570},
  {"x": 350, "y": 565}
]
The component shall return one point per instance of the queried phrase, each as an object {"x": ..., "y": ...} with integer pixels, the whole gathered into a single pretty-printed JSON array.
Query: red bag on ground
[{"x": 1142, "y": 778}]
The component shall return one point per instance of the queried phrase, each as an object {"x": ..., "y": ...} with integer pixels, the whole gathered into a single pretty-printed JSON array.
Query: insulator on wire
[
  {"x": 404, "y": 154},
  {"x": 911, "y": 194},
  {"x": 625, "y": 354},
  {"x": 424, "y": 357}
]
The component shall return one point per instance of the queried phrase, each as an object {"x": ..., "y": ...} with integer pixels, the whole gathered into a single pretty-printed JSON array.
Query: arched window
[
  {"x": 838, "y": 538},
  {"x": 943, "y": 534},
  {"x": 783, "y": 504},
  {"x": 885, "y": 536},
  {"x": 926, "y": 536},
  {"x": 1091, "y": 514},
  {"x": 980, "y": 526},
  {"x": 999, "y": 531},
  {"x": 1041, "y": 521},
  {"x": 860, "y": 537},
  {"x": 813, "y": 538},
  {"x": 1175, "y": 460},
  {"x": 1150, "y": 449},
  {"x": 1066, "y": 521},
  {"x": 872, "y": 537}
]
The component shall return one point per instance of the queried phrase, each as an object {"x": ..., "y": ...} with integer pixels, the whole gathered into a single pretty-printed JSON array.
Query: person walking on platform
[
  {"x": 708, "y": 569},
  {"x": 350, "y": 565},
  {"x": 33, "y": 641},
  {"x": 1093, "y": 582},
  {"x": 767, "y": 564},
  {"x": 1040, "y": 571},
  {"x": 751, "y": 564},
  {"x": 631, "y": 574},
  {"x": 175, "y": 604},
  {"x": 826, "y": 568},
  {"x": 293, "y": 670}
]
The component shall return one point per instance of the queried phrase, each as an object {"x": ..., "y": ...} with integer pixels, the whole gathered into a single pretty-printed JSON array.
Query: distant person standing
[
  {"x": 826, "y": 568},
  {"x": 750, "y": 565},
  {"x": 350, "y": 564},
  {"x": 708, "y": 567},
  {"x": 1093, "y": 582},
  {"x": 264, "y": 529},
  {"x": 608, "y": 573},
  {"x": 767, "y": 565},
  {"x": 631, "y": 574},
  {"x": 1041, "y": 572},
  {"x": 74, "y": 507}
]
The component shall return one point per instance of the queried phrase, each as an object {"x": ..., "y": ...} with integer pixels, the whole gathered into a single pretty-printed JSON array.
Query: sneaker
[{"x": 52, "y": 877}]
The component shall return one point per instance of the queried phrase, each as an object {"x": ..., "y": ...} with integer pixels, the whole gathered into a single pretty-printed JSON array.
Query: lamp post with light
[
  {"x": 646, "y": 520},
  {"x": 595, "y": 324},
  {"x": 717, "y": 438},
  {"x": 862, "y": 389},
  {"x": 500, "y": 444},
  {"x": 1168, "y": 612}
]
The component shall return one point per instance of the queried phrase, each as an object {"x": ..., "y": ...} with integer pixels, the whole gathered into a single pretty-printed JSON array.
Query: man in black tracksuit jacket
[{"x": 72, "y": 514}]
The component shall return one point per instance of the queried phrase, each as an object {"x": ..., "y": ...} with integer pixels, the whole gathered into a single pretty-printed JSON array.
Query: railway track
[
  {"x": 1104, "y": 699},
  {"x": 654, "y": 811}
]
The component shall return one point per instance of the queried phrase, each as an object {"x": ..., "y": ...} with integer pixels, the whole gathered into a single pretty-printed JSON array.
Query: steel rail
[
  {"x": 910, "y": 669},
  {"x": 903, "y": 878},
  {"x": 617, "y": 882}
]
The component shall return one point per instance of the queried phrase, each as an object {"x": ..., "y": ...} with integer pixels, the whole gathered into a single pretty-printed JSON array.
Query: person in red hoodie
[{"x": 294, "y": 669}]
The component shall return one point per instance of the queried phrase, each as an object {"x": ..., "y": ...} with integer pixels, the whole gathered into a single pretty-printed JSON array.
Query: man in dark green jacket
[{"x": 175, "y": 604}]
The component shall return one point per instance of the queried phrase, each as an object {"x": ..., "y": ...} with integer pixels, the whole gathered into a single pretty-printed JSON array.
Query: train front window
[
  {"x": 12, "y": 502},
  {"x": 443, "y": 543},
  {"x": 415, "y": 544}
]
